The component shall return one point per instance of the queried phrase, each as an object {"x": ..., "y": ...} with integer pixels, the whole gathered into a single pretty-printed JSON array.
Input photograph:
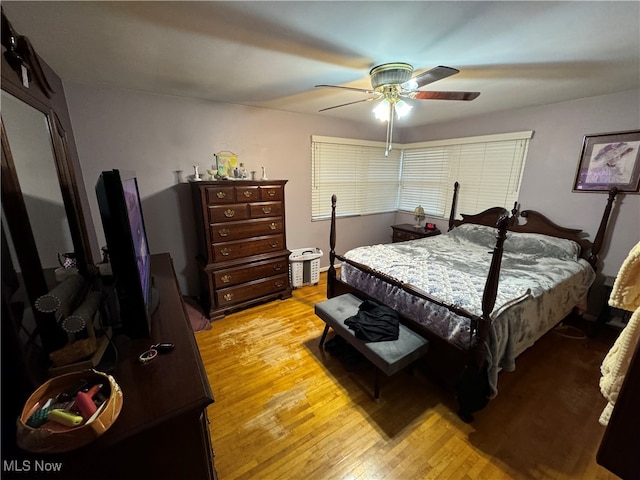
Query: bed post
[
  {"x": 491, "y": 288},
  {"x": 454, "y": 205},
  {"x": 472, "y": 388},
  {"x": 331, "y": 273},
  {"x": 602, "y": 229}
]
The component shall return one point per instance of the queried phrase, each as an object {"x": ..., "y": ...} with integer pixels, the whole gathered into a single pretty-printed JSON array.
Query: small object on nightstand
[
  {"x": 406, "y": 231},
  {"x": 419, "y": 214}
]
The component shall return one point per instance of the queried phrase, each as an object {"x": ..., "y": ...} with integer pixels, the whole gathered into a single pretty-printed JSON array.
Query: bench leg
[{"x": 324, "y": 335}]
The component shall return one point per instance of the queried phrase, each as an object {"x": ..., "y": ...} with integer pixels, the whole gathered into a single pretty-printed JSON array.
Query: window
[
  {"x": 488, "y": 168},
  {"x": 357, "y": 172}
]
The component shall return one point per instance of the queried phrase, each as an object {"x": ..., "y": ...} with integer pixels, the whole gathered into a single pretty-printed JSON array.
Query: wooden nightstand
[
  {"x": 407, "y": 231},
  {"x": 609, "y": 315}
]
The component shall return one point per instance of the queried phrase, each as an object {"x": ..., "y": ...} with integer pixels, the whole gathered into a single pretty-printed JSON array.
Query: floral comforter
[{"x": 541, "y": 280}]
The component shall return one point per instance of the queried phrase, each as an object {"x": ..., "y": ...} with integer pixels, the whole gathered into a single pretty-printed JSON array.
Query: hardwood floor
[{"x": 285, "y": 410}]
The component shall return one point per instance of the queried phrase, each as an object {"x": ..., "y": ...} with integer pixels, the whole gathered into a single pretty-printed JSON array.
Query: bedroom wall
[
  {"x": 157, "y": 135},
  {"x": 552, "y": 161}
]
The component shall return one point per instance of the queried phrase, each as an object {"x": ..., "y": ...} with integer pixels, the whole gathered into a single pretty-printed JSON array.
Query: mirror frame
[{"x": 28, "y": 78}]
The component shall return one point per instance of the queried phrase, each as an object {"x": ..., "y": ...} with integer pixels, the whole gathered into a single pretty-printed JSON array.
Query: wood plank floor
[{"x": 285, "y": 410}]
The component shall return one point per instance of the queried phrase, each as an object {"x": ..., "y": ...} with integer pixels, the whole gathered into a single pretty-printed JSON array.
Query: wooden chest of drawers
[{"x": 242, "y": 247}]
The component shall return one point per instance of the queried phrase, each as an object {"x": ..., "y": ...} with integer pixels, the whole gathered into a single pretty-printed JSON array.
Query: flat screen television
[{"x": 128, "y": 248}]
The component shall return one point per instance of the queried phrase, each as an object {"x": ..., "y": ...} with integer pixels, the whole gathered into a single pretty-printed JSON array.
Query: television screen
[
  {"x": 124, "y": 231},
  {"x": 138, "y": 234}
]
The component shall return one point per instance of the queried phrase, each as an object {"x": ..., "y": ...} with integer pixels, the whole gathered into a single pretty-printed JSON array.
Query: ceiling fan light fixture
[
  {"x": 381, "y": 111},
  {"x": 402, "y": 108},
  {"x": 390, "y": 74}
]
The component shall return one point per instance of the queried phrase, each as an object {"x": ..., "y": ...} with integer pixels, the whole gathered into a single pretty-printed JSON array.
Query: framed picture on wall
[{"x": 609, "y": 160}]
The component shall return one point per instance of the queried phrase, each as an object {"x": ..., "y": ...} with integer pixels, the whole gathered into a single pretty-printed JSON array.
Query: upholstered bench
[{"x": 389, "y": 357}]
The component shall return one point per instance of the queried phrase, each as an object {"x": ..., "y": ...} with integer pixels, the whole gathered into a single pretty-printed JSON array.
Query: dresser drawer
[
  {"x": 265, "y": 209},
  {"x": 271, "y": 192},
  {"x": 225, "y": 232},
  {"x": 244, "y": 248},
  {"x": 400, "y": 236},
  {"x": 228, "y": 213},
  {"x": 247, "y": 291},
  {"x": 247, "y": 194},
  {"x": 218, "y": 194},
  {"x": 254, "y": 271}
]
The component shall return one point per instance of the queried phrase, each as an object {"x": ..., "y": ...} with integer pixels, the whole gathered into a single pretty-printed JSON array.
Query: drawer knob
[
  {"x": 229, "y": 212},
  {"x": 277, "y": 267},
  {"x": 221, "y": 194},
  {"x": 228, "y": 297},
  {"x": 223, "y": 232},
  {"x": 247, "y": 193},
  {"x": 225, "y": 252},
  {"x": 274, "y": 244},
  {"x": 226, "y": 278},
  {"x": 271, "y": 193},
  {"x": 266, "y": 209},
  {"x": 273, "y": 226},
  {"x": 279, "y": 284}
]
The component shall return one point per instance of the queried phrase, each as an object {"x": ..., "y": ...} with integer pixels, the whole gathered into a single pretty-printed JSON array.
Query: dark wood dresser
[
  {"x": 242, "y": 248},
  {"x": 162, "y": 431},
  {"x": 407, "y": 231}
]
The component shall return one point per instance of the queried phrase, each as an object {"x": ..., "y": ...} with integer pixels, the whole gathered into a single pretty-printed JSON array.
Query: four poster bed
[{"x": 481, "y": 293}]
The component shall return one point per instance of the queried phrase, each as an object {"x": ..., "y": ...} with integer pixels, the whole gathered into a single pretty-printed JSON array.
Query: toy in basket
[
  {"x": 304, "y": 266},
  {"x": 69, "y": 411}
]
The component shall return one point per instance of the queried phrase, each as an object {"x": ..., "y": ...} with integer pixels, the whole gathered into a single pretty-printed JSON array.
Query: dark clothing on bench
[{"x": 374, "y": 323}]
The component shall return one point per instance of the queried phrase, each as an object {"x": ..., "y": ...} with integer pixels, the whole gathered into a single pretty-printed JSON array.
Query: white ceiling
[{"x": 271, "y": 53}]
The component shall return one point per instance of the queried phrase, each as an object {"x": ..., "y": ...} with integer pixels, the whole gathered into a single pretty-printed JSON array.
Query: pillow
[
  {"x": 517, "y": 242},
  {"x": 541, "y": 245},
  {"x": 477, "y": 234}
]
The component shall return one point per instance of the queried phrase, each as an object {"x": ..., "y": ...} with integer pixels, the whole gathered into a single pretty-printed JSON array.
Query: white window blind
[
  {"x": 488, "y": 168},
  {"x": 424, "y": 177},
  {"x": 357, "y": 172}
]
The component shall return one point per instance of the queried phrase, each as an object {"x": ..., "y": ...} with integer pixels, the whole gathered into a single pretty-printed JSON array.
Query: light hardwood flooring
[{"x": 284, "y": 410}]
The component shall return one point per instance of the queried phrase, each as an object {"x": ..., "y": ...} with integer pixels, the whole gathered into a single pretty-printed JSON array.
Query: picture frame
[
  {"x": 609, "y": 160},
  {"x": 226, "y": 163}
]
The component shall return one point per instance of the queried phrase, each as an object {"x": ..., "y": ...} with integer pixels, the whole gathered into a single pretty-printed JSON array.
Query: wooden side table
[{"x": 407, "y": 231}]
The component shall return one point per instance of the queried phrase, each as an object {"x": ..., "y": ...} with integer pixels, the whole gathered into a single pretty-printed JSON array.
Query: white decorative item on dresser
[{"x": 242, "y": 249}]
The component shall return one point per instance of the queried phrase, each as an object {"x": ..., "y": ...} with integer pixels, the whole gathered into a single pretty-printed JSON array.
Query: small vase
[{"x": 264, "y": 174}]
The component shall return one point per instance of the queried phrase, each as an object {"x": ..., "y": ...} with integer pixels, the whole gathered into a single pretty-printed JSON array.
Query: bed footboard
[
  {"x": 471, "y": 382},
  {"x": 466, "y": 370}
]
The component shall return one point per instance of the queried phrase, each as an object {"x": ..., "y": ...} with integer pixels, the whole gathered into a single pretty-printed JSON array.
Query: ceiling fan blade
[
  {"x": 444, "y": 95},
  {"x": 430, "y": 76},
  {"x": 350, "y": 103},
  {"x": 349, "y": 88}
]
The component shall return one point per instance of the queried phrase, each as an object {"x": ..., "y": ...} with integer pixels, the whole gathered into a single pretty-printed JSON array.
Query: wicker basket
[{"x": 54, "y": 438}]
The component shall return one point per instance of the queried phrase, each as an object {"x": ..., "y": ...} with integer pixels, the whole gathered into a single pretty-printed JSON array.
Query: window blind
[
  {"x": 488, "y": 168},
  {"x": 357, "y": 172}
]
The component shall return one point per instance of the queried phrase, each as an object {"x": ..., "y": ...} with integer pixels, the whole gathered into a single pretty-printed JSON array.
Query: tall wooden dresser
[{"x": 242, "y": 249}]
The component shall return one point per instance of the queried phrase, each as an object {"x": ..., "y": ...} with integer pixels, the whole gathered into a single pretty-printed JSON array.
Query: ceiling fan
[{"x": 392, "y": 83}]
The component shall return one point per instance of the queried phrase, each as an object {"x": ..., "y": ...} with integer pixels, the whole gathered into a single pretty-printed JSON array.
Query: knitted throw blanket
[{"x": 625, "y": 295}]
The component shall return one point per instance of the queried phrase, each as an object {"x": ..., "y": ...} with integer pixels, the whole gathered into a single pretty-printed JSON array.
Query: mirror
[
  {"x": 42, "y": 193},
  {"x": 30, "y": 141}
]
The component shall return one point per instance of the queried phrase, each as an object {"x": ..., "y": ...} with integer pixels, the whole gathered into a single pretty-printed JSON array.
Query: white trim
[
  {"x": 498, "y": 137},
  {"x": 348, "y": 141}
]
